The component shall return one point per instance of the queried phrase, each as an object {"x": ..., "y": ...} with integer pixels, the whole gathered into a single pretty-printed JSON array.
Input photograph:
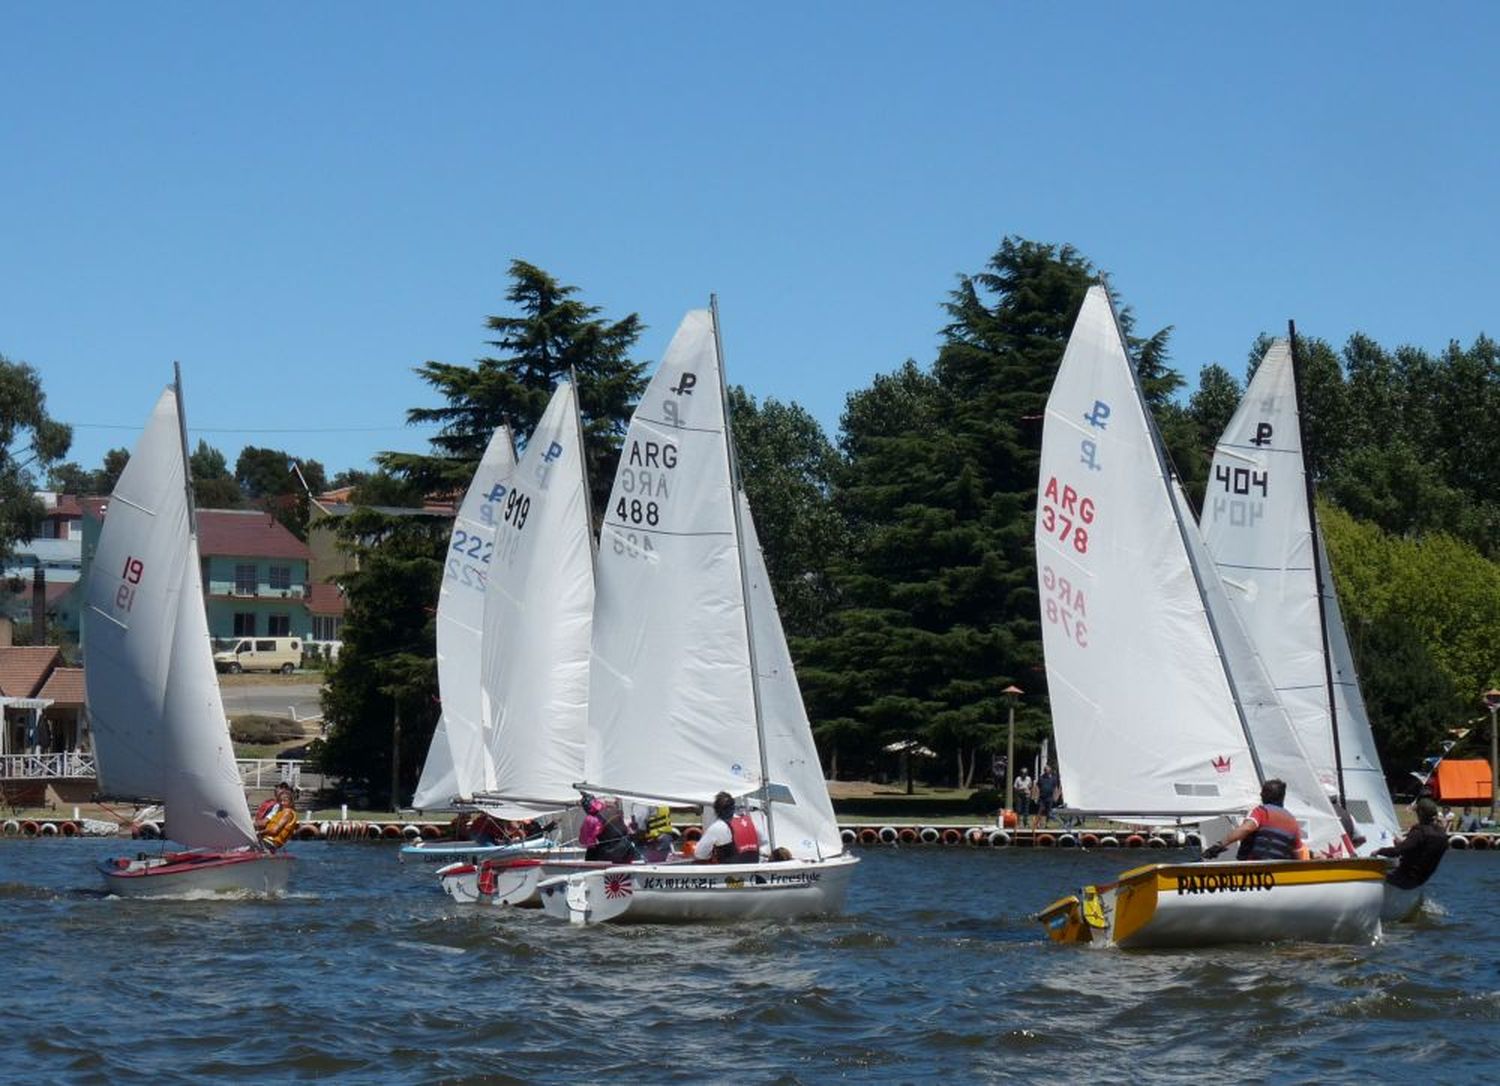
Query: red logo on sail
[
  {"x": 1221, "y": 764},
  {"x": 617, "y": 886}
]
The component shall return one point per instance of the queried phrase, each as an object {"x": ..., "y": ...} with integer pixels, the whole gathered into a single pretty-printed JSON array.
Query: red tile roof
[
  {"x": 23, "y": 667},
  {"x": 68, "y": 505},
  {"x": 326, "y": 599},
  {"x": 246, "y": 534},
  {"x": 64, "y": 686}
]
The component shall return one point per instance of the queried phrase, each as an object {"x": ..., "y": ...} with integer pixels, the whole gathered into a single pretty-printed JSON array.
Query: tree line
[{"x": 900, "y": 546}]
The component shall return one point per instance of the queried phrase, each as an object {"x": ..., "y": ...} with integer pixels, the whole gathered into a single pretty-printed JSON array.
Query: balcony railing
[{"x": 79, "y": 765}]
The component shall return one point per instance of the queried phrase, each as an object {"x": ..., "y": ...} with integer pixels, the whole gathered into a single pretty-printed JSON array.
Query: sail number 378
[{"x": 1066, "y": 514}]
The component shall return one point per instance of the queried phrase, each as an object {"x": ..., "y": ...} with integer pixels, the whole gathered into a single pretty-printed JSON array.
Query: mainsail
[
  {"x": 457, "y": 763},
  {"x": 1135, "y": 619},
  {"x": 538, "y": 615},
  {"x": 675, "y": 677},
  {"x": 1261, "y": 530},
  {"x": 155, "y": 712},
  {"x": 1141, "y": 704}
]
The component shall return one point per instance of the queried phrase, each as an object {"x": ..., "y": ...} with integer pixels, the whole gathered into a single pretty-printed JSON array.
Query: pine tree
[{"x": 553, "y": 335}]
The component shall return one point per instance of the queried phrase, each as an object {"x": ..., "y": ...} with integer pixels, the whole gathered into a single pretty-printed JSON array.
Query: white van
[{"x": 283, "y": 654}]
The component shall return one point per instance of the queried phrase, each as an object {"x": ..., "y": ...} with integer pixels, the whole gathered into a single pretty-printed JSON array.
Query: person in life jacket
[
  {"x": 731, "y": 839},
  {"x": 1269, "y": 832},
  {"x": 655, "y": 833},
  {"x": 276, "y": 819},
  {"x": 604, "y": 834}
]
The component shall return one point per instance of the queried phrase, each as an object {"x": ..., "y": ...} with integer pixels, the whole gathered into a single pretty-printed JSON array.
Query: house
[
  {"x": 42, "y": 701},
  {"x": 56, "y": 556},
  {"x": 255, "y": 575}
]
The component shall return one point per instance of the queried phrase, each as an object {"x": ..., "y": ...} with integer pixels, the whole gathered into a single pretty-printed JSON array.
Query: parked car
[{"x": 283, "y": 654}]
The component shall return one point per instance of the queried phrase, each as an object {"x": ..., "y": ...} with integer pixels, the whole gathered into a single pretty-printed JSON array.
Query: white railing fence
[{"x": 79, "y": 765}]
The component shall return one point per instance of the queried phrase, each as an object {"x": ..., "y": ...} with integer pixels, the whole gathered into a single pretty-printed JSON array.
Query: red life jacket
[
  {"x": 1278, "y": 837},
  {"x": 744, "y": 846}
]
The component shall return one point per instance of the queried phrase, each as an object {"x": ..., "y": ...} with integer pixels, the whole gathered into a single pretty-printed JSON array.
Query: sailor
[
  {"x": 731, "y": 839},
  {"x": 1419, "y": 852},
  {"x": 604, "y": 834},
  {"x": 276, "y": 818},
  {"x": 1269, "y": 832},
  {"x": 658, "y": 838}
]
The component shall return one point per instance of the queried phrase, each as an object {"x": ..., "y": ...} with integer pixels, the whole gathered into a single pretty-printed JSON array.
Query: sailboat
[
  {"x": 691, "y": 688},
  {"x": 537, "y": 622},
  {"x": 1260, "y": 524},
  {"x": 158, "y": 723},
  {"x": 1161, "y": 708},
  {"x": 458, "y": 763}
]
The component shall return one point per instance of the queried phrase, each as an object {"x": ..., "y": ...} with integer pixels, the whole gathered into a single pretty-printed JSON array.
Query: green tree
[
  {"x": 386, "y": 669},
  {"x": 555, "y": 334},
  {"x": 787, "y": 465},
  {"x": 213, "y": 485},
  {"x": 30, "y": 443}
]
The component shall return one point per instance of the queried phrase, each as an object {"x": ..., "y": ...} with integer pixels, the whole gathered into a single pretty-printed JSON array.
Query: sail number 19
[{"x": 130, "y": 577}]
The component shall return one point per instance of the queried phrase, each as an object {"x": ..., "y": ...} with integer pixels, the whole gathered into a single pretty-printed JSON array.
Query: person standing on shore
[{"x": 1023, "y": 793}]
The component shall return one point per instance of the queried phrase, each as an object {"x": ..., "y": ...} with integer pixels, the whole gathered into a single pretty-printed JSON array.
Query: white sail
[
  {"x": 1273, "y": 737},
  {"x": 154, "y": 707},
  {"x": 1258, "y": 527},
  {"x": 457, "y": 762},
  {"x": 671, "y": 706},
  {"x": 1141, "y": 704},
  {"x": 806, "y": 826},
  {"x": 538, "y": 617}
]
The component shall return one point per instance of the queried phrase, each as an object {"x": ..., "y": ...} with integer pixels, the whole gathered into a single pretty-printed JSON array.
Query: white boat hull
[
  {"x": 1214, "y": 904},
  {"x": 1399, "y": 905},
  {"x": 448, "y": 852},
  {"x": 189, "y": 874},
  {"x": 510, "y": 881},
  {"x": 687, "y": 892}
]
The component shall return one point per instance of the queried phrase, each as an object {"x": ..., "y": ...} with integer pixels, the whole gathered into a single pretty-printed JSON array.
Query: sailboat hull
[
  {"x": 511, "y": 881},
  {"x": 469, "y": 852},
  {"x": 1400, "y": 905},
  {"x": 177, "y": 874},
  {"x": 687, "y": 892},
  {"x": 1214, "y": 904}
]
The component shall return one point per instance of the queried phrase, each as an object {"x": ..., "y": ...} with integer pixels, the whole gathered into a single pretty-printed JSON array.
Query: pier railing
[{"x": 79, "y": 765}]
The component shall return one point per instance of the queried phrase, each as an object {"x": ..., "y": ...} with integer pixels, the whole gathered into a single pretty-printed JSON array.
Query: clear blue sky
[{"x": 303, "y": 202}]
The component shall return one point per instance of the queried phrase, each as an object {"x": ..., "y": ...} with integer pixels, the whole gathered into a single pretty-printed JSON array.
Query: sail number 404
[{"x": 1066, "y": 514}]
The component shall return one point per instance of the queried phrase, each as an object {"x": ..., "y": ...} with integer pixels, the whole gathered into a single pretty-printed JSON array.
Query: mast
[
  {"x": 1167, "y": 475},
  {"x": 1317, "y": 563},
  {"x": 187, "y": 469},
  {"x": 739, "y": 548}
]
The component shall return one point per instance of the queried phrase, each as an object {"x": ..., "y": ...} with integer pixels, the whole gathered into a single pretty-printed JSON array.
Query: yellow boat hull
[{"x": 1212, "y": 904}]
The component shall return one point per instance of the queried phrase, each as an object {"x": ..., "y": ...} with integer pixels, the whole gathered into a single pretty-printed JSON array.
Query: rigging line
[{"x": 261, "y": 429}]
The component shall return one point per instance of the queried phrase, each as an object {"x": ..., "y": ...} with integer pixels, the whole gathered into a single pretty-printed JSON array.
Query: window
[
  {"x": 244, "y": 624},
  {"x": 280, "y": 577},
  {"x": 244, "y": 580},
  {"x": 265, "y": 646},
  {"x": 279, "y": 625},
  {"x": 327, "y": 627}
]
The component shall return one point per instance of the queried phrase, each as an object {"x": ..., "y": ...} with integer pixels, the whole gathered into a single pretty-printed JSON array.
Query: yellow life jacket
[
  {"x": 659, "y": 823},
  {"x": 279, "y": 827}
]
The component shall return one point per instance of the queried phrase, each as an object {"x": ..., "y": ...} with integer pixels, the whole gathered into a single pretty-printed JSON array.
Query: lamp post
[
  {"x": 1492, "y": 703},
  {"x": 1013, "y": 694}
]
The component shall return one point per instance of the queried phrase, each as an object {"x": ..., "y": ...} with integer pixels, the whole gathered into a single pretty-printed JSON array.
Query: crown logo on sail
[{"x": 1221, "y": 764}]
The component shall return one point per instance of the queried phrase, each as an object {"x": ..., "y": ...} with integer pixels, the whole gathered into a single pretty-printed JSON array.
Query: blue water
[{"x": 368, "y": 974}]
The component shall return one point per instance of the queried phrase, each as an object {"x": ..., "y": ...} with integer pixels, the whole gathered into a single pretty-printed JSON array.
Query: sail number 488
[
  {"x": 1066, "y": 514},
  {"x": 636, "y": 511}
]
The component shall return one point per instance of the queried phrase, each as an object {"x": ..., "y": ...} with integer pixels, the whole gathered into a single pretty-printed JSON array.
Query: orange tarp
[{"x": 1462, "y": 781}]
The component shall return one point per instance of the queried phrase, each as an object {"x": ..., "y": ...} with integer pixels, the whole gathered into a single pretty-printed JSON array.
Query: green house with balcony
[{"x": 255, "y": 575}]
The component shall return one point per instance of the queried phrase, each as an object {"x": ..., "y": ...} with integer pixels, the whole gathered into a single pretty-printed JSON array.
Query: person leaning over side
[
  {"x": 1269, "y": 832},
  {"x": 1419, "y": 851},
  {"x": 276, "y": 819},
  {"x": 731, "y": 839}
]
